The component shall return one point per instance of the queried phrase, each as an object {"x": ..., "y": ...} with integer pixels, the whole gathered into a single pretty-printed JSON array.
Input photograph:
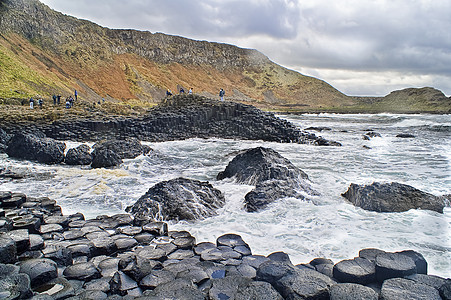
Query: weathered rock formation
[
  {"x": 273, "y": 175},
  {"x": 392, "y": 197},
  {"x": 183, "y": 117},
  {"x": 40, "y": 149},
  {"x": 127, "y": 148},
  {"x": 80, "y": 155},
  {"x": 178, "y": 199}
]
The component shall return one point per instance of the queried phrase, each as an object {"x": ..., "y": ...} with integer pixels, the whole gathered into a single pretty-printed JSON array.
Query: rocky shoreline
[
  {"x": 179, "y": 117},
  {"x": 46, "y": 255}
]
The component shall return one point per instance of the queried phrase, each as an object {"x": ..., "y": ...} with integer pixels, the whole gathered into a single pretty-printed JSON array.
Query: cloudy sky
[{"x": 361, "y": 47}]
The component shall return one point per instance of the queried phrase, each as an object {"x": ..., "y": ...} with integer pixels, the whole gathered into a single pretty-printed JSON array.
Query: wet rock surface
[
  {"x": 274, "y": 177},
  {"x": 40, "y": 149},
  {"x": 178, "y": 199},
  {"x": 392, "y": 197},
  {"x": 122, "y": 257},
  {"x": 80, "y": 155}
]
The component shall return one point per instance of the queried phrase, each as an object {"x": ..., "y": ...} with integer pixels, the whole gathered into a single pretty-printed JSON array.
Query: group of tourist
[
  {"x": 56, "y": 100},
  {"x": 190, "y": 92}
]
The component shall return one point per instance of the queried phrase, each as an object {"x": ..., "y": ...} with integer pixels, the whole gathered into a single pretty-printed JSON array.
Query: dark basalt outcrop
[
  {"x": 80, "y": 155},
  {"x": 119, "y": 256},
  {"x": 183, "y": 117},
  {"x": 273, "y": 175},
  {"x": 392, "y": 197},
  {"x": 127, "y": 148},
  {"x": 178, "y": 199},
  {"x": 40, "y": 149},
  {"x": 4, "y": 140}
]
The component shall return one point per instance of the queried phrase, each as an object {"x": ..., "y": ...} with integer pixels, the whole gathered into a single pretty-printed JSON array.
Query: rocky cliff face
[{"x": 130, "y": 64}]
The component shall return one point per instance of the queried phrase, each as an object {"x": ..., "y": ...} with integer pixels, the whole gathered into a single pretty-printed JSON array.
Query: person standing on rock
[
  {"x": 190, "y": 92},
  {"x": 168, "y": 93},
  {"x": 54, "y": 99},
  {"x": 40, "y": 102},
  {"x": 182, "y": 91},
  {"x": 58, "y": 99},
  {"x": 221, "y": 94},
  {"x": 31, "y": 102},
  {"x": 76, "y": 95}
]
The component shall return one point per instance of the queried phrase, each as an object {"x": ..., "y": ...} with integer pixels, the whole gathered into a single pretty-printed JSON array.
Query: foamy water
[{"x": 333, "y": 229}]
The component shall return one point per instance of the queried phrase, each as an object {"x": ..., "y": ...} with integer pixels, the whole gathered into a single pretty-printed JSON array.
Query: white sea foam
[{"x": 332, "y": 229}]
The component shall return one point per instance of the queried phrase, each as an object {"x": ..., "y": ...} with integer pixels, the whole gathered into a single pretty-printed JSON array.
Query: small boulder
[
  {"x": 127, "y": 148},
  {"x": 392, "y": 197},
  {"x": 273, "y": 175},
  {"x": 178, "y": 199},
  {"x": 80, "y": 155},
  {"x": 105, "y": 158}
]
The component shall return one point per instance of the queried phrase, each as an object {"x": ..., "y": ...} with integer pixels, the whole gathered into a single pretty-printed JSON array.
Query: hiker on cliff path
[
  {"x": 76, "y": 95},
  {"x": 40, "y": 102},
  {"x": 31, "y": 102},
  {"x": 54, "y": 99},
  {"x": 190, "y": 92},
  {"x": 58, "y": 99},
  {"x": 221, "y": 94},
  {"x": 168, "y": 93}
]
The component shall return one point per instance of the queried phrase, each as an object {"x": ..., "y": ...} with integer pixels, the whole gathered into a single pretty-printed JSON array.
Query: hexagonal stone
[
  {"x": 82, "y": 271},
  {"x": 50, "y": 228},
  {"x": 352, "y": 291},
  {"x": 401, "y": 289},
  {"x": 130, "y": 230},
  {"x": 391, "y": 265},
  {"x": 357, "y": 270},
  {"x": 8, "y": 250},
  {"x": 39, "y": 270}
]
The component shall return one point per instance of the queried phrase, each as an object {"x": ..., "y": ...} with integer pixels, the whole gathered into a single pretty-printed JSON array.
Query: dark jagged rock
[
  {"x": 401, "y": 289},
  {"x": 105, "y": 158},
  {"x": 126, "y": 148},
  {"x": 32, "y": 147},
  {"x": 392, "y": 197},
  {"x": 4, "y": 140},
  {"x": 260, "y": 164},
  {"x": 275, "y": 177},
  {"x": 80, "y": 155},
  {"x": 178, "y": 199}
]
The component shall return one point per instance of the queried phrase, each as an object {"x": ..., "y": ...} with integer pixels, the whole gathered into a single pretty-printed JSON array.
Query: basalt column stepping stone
[
  {"x": 39, "y": 270},
  {"x": 352, "y": 291},
  {"x": 402, "y": 289},
  {"x": 357, "y": 270},
  {"x": 391, "y": 265}
]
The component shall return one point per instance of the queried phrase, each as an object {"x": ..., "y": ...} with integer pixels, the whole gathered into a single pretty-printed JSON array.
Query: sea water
[{"x": 330, "y": 228}]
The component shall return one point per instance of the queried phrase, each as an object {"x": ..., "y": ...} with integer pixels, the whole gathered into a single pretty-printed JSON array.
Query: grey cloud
[{"x": 359, "y": 35}]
